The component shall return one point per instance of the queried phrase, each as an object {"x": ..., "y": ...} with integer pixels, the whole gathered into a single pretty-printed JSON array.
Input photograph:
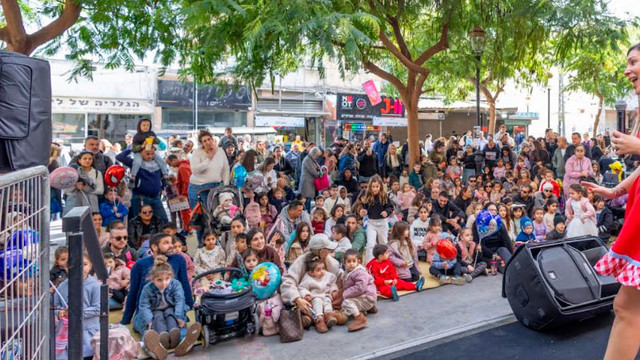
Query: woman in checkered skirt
[{"x": 623, "y": 260}]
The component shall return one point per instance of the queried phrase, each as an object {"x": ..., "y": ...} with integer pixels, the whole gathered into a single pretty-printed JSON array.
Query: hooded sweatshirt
[
  {"x": 418, "y": 231},
  {"x": 523, "y": 238},
  {"x": 140, "y": 136}
]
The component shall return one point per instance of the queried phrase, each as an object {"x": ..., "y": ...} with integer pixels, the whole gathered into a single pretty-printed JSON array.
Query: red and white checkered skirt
[{"x": 625, "y": 272}]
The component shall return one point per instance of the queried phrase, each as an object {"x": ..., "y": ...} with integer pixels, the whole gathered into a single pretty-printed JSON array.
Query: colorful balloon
[
  {"x": 265, "y": 279},
  {"x": 63, "y": 177},
  {"x": 487, "y": 224},
  {"x": 113, "y": 175},
  {"x": 446, "y": 249}
]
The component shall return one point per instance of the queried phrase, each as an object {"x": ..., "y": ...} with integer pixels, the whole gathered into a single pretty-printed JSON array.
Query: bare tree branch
[
  {"x": 13, "y": 18},
  {"x": 373, "y": 68},
  {"x": 399, "y": 55},
  {"x": 57, "y": 27},
  {"x": 399, "y": 37}
]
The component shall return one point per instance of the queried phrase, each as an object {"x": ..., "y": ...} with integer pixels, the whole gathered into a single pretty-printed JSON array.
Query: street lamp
[
  {"x": 478, "y": 39},
  {"x": 621, "y": 108}
]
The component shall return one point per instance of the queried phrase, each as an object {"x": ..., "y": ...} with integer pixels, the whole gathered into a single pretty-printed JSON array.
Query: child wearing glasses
[{"x": 548, "y": 179}]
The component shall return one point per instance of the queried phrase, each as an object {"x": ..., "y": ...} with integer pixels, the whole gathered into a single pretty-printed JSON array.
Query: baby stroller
[
  {"x": 212, "y": 201},
  {"x": 226, "y": 316}
]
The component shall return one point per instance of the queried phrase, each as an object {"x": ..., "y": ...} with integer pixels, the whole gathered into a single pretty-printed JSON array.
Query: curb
[{"x": 402, "y": 349}]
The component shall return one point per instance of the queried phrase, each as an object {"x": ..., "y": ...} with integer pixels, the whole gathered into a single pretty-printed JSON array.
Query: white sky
[{"x": 621, "y": 7}]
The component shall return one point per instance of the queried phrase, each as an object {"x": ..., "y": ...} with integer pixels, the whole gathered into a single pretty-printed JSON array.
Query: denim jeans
[{"x": 156, "y": 204}]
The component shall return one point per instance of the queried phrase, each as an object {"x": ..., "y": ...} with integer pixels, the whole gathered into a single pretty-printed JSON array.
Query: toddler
[
  {"x": 339, "y": 233},
  {"x": 550, "y": 210},
  {"x": 318, "y": 221},
  {"x": 385, "y": 276},
  {"x": 162, "y": 305},
  {"x": 604, "y": 217},
  {"x": 112, "y": 208},
  {"x": 118, "y": 281},
  {"x": 178, "y": 249},
  {"x": 209, "y": 257},
  {"x": 316, "y": 287},
  {"x": 144, "y": 139},
  {"x": 278, "y": 199},
  {"x": 432, "y": 237},
  {"x": 526, "y": 234},
  {"x": 60, "y": 270},
  {"x": 276, "y": 241},
  {"x": 454, "y": 170},
  {"x": 405, "y": 198},
  {"x": 359, "y": 291},
  {"x": 447, "y": 271},
  {"x": 226, "y": 209},
  {"x": 559, "y": 228},
  {"x": 319, "y": 204},
  {"x": 539, "y": 227}
]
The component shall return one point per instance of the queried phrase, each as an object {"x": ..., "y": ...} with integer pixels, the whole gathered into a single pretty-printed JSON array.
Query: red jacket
[
  {"x": 182, "y": 180},
  {"x": 382, "y": 271}
]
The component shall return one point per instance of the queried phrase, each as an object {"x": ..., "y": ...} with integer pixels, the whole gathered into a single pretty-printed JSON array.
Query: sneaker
[
  {"x": 457, "y": 280},
  {"x": 443, "y": 280},
  {"x": 152, "y": 345},
  {"x": 394, "y": 293},
  {"x": 165, "y": 341},
  {"x": 468, "y": 278},
  {"x": 193, "y": 333},
  {"x": 131, "y": 184},
  {"x": 420, "y": 283},
  {"x": 174, "y": 338}
]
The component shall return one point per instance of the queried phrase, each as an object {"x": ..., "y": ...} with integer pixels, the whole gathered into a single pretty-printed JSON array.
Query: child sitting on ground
[
  {"x": 209, "y": 257},
  {"x": 402, "y": 253},
  {"x": 337, "y": 214},
  {"x": 359, "y": 293},
  {"x": 162, "y": 306},
  {"x": 432, "y": 237},
  {"x": 226, "y": 209},
  {"x": 559, "y": 228},
  {"x": 447, "y": 271},
  {"x": 467, "y": 254},
  {"x": 316, "y": 287},
  {"x": 418, "y": 230},
  {"x": 339, "y": 234},
  {"x": 539, "y": 227},
  {"x": 118, "y": 281},
  {"x": 60, "y": 270},
  {"x": 385, "y": 276},
  {"x": 144, "y": 139},
  {"x": 526, "y": 234},
  {"x": 550, "y": 210}
]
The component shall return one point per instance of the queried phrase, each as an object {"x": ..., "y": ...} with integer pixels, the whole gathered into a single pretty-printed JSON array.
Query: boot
[
  {"x": 359, "y": 323},
  {"x": 341, "y": 318},
  {"x": 321, "y": 327},
  {"x": 330, "y": 320},
  {"x": 373, "y": 310},
  {"x": 307, "y": 320}
]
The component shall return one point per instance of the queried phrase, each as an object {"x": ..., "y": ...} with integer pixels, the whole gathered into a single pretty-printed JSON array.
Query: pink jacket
[
  {"x": 589, "y": 211},
  {"x": 572, "y": 172},
  {"x": 405, "y": 199},
  {"x": 191, "y": 268},
  {"x": 359, "y": 283},
  {"x": 119, "y": 277}
]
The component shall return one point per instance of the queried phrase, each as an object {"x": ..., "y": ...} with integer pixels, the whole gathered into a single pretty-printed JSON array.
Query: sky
[{"x": 621, "y": 7}]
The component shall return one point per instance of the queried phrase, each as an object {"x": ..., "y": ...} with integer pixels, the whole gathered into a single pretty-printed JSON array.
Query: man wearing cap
[
  {"x": 319, "y": 246},
  {"x": 230, "y": 151}
]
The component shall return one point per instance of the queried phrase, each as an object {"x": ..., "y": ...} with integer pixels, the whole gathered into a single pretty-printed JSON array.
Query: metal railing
[{"x": 24, "y": 264}]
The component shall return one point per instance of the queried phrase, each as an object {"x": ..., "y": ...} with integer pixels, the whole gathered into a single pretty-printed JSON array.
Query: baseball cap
[{"x": 321, "y": 241}]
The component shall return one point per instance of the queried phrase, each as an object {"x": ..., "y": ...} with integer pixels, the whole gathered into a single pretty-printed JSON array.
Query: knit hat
[
  {"x": 525, "y": 221},
  {"x": 547, "y": 186},
  {"x": 225, "y": 196},
  {"x": 559, "y": 219}
]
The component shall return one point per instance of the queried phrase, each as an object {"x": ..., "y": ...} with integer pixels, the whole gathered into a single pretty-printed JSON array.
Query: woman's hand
[
  {"x": 597, "y": 189},
  {"x": 625, "y": 144},
  {"x": 303, "y": 305},
  {"x": 363, "y": 212}
]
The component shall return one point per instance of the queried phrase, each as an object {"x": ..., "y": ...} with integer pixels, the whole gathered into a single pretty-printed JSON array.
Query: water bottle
[{"x": 267, "y": 310}]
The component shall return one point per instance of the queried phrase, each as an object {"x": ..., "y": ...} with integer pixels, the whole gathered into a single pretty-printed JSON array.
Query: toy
[
  {"x": 446, "y": 249},
  {"x": 113, "y": 175},
  {"x": 63, "y": 177},
  {"x": 239, "y": 284},
  {"x": 487, "y": 224},
  {"x": 265, "y": 280},
  {"x": 616, "y": 168}
]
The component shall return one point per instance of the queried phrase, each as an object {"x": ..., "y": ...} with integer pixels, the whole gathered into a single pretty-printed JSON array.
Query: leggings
[
  {"x": 377, "y": 233},
  {"x": 385, "y": 290}
]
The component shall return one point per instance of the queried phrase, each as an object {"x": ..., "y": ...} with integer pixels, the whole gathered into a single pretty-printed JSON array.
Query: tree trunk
[
  {"x": 412, "y": 132},
  {"x": 492, "y": 118},
  {"x": 597, "y": 120}
]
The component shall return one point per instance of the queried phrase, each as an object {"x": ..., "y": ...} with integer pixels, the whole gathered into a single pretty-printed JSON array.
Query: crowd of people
[{"x": 333, "y": 219}]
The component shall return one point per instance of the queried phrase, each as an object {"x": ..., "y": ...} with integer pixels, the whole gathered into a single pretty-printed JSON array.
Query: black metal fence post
[{"x": 75, "y": 303}]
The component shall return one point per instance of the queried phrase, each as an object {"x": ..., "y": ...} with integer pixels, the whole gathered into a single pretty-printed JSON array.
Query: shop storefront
[
  {"x": 216, "y": 107},
  {"x": 357, "y": 118},
  {"x": 519, "y": 122}
]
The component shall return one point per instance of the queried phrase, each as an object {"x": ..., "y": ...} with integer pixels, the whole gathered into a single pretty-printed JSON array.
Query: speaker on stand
[{"x": 554, "y": 283}]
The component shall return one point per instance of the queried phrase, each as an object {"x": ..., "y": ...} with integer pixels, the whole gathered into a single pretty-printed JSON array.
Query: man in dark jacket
[
  {"x": 144, "y": 223},
  {"x": 381, "y": 147},
  {"x": 571, "y": 149},
  {"x": 118, "y": 245},
  {"x": 283, "y": 165},
  {"x": 491, "y": 153},
  {"x": 526, "y": 198},
  {"x": 452, "y": 216},
  {"x": 148, "y": 183},
  {"x": 368, "y": 163}
]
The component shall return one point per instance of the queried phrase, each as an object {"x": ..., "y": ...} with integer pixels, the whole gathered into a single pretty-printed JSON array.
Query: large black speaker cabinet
[
  {"x": 553, "y": 283},
  {"x": 25, "y": 111}
]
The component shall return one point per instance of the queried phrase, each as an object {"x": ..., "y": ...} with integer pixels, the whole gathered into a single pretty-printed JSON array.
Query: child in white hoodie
[{"x": 316, "y": 287}]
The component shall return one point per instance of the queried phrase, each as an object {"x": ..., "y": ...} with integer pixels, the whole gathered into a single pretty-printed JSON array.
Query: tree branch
[
  {"x": 419, "y": 84},
  {"x": 399, "y": 55},
  {"x": 3, "y": 34},
  {"x": 57, "y": 27},
  {"x": 399, "y": 37},
  {"x": 373, "y": 68},
  {"x": 13, "y": 18}
]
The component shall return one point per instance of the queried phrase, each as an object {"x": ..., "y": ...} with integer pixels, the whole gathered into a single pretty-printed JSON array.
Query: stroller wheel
[
  {"x": 256, "y": 325},
  {"x": 205, "y": 337}
]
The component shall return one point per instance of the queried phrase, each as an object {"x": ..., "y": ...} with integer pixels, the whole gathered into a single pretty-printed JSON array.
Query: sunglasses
[
  {"x": 147, "y": 212},
  {"x": 548, "y": 190},
  {"x": 524, "y": 192},
  {"x": 120, "y": 238}
]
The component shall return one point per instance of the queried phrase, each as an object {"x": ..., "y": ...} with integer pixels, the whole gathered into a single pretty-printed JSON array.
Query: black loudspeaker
[
  {"x": 554, "y": 283},
  {"x": 25, "y": 111}
]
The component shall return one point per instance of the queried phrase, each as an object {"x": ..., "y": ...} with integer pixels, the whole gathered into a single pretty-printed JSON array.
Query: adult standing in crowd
[
  {"x": 183, "y": 175},
  {"x": 100, "y": 161},
  {"x": 558, "y": 156},
  {"x": 310, "y": 171},
  {"x": 575, "y": 141},
  {"x": 381, "y": 148},
  {"x": 209, "y": 168},
  {"x": 578, "y": 167},
  {"x": 292, "y": 156}
]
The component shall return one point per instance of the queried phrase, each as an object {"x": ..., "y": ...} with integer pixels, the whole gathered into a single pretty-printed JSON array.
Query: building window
[
  {"x": 179, "y": 119},
  {"x": 69, "y": 127}
]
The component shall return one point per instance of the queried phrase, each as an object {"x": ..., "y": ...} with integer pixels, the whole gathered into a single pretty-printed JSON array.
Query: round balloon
[
  {"x": 446, "y": 249},
  {"x": 265, "y": 280},
  {"x": 113, "y": 175},
  {"x": 63, "y": 177},
  {"x": 487, "y": 224},
  {"x": 11, "y": 263}
]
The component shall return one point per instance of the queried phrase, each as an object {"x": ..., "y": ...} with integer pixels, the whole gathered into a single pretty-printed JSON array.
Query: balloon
[
  {"x": 12, "y": 262},
  {"x": 63, "y": 177},
  {"x": 487, "y": 224},
  {"x": 254, "y": 180},
  {"x": 113, "y": 175},
  {"x": 265, "y": 279},
  {"x": 446, "y": 249}
]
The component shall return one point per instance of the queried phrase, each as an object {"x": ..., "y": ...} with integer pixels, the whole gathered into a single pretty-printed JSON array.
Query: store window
[
  {"x": 177, "y": 119},
  {"x": 69, "y": 127},
  {"x": 113, "y": 127}
]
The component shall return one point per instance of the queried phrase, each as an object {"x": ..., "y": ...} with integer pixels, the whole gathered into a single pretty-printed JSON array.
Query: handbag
[
  {"x": 322, "y": 181},
  {"x": 290, "y": 325}
]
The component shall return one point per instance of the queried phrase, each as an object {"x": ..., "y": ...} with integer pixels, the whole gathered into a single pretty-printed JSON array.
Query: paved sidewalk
[{"x": 419, "y": 318}]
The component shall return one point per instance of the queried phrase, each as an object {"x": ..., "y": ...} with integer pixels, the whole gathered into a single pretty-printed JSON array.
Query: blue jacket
[
  {"x": 148, "y": 183},
  {"x": 381, "y": 151},
  {"x": 139, "y": 274},
  {"x": 91, "y": 311},
  {"x": 438, "y": 262},
  {"x": 108, "y": 215},
  {"x": 415, "y": 180},
  {"x": 347, "y": 161},
  {"x": 150, "y": 299}
]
